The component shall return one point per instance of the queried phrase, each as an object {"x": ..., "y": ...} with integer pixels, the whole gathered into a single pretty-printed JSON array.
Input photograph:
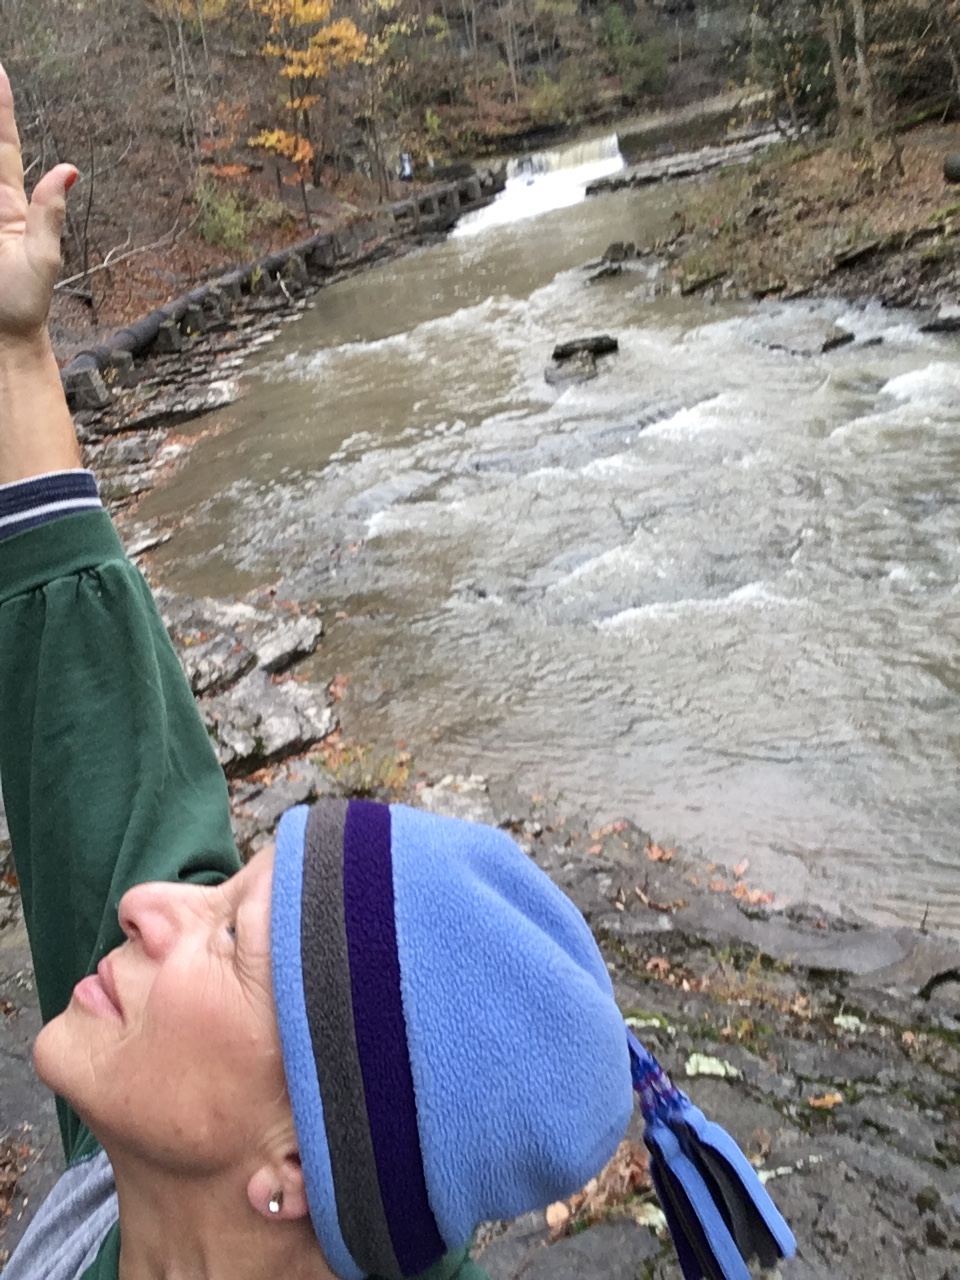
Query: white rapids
[{"x": 716, "y": 589}]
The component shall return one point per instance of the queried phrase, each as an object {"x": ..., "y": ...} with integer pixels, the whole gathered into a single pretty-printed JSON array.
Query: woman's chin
[{"x": 52, "y": 1055}]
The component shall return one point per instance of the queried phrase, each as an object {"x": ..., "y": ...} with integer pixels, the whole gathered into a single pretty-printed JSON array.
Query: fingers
[
  {"x": 11, "y": 164},
  {"x": 45, "y": 215}
]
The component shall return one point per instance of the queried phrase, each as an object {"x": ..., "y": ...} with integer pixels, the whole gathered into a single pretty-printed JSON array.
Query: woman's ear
[{"x": 277, "y": 1190}]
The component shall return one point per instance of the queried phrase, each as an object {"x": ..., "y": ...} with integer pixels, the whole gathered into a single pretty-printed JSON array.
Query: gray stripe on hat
[{"x": 326, "y": 981}]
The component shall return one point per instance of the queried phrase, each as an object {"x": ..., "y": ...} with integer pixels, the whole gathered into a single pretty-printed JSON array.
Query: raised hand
[
  {"x": 36, "y": 433},
  {"x": 29, "y": 234}
]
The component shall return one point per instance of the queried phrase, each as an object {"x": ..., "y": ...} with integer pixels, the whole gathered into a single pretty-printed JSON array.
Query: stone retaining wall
[{"x": 287, "y": 271}]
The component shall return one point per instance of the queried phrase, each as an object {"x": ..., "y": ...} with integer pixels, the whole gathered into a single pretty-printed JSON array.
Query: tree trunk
[
  {"x": 864, "y": 94},
  {"x": 943, "y": 29},
  {"x": 831, "y": 30},
  {"x": 509, "y": 43}
]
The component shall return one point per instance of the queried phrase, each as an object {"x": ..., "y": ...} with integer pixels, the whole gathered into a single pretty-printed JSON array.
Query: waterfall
[
  {"x": 545, "y": 180},
  {"x": 585, "y": 152}
]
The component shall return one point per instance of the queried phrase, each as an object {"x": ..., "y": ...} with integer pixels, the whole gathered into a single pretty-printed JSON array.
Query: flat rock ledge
[
  {"x": 238, "y": 657},
  {"x": 687, "y": 164}
]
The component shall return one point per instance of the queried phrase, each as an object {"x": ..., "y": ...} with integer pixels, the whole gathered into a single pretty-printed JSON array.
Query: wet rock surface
[{"x": 685, "y": 164}]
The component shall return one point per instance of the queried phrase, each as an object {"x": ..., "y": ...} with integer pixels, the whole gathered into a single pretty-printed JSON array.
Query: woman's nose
[{"x": 155, "y": 915}]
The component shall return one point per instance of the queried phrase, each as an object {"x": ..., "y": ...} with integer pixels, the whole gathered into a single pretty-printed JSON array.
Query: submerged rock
[
  {"x": 580, "y": 368},
  {"x": 800, "y": 334},
  {"x": 947, "y": 319},
  {"x": 606, "y": 272}
]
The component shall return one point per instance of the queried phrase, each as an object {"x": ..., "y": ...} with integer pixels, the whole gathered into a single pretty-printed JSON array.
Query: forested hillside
[{"x": 217, "y": 126}]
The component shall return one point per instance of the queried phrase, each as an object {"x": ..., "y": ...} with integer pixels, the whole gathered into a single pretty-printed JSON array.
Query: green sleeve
[{"x": 109, "y": 777}]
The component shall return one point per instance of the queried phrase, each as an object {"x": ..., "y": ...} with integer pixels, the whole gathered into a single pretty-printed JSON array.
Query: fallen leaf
[
  {"x": 659, "y": 965},
  {"x": 595, "y": 849},
  {"x": 741, "y": 869},
  {"x": 717, "y": 886},
  {"x": 826, "y": 1101},
  {"x": 656, "y": 853}
]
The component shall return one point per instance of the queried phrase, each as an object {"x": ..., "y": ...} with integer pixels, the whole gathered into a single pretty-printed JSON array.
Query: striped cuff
[{"x": 28, "y": 503}]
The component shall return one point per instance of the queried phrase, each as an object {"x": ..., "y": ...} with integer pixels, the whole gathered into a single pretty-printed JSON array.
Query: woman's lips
[{"x": 98, "y": 993}]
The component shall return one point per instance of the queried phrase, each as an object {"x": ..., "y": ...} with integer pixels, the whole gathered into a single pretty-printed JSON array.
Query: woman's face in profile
[{"x": 171, "y": 1050}]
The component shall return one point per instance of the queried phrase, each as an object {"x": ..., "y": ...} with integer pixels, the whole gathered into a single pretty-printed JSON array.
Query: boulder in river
[
  {"x": 600, "y": 344},
  {"x": 620, "y": 251},
  {"x": 947, "y": 320},
  {"x": 576, "y": 360},
  {"x": 606, "y": 272}
]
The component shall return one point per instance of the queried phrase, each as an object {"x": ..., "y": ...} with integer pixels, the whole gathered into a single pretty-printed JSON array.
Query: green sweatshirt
[{"x": 109, "y": 777}]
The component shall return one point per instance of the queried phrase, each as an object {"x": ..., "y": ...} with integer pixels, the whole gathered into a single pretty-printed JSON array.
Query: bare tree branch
[{"x": 165, "y": 241}]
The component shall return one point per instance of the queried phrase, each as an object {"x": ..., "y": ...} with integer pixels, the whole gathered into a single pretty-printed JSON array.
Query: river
[{"x": 715, "y": 589}]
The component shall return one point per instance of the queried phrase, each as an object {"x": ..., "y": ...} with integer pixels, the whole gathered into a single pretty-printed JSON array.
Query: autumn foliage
[{"x": 308, "y": 42}]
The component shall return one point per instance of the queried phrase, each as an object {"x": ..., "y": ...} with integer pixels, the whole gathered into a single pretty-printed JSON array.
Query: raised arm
[
  {"x": 109, "y": 778},
  {"x": 36, "y": 433}
]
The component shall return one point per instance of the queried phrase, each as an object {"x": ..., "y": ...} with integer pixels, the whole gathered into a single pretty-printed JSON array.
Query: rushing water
[{"x": 715, "y": 589}]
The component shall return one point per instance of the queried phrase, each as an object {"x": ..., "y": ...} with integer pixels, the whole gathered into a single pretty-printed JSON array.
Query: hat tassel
[{"x": 717, "y": 1209}]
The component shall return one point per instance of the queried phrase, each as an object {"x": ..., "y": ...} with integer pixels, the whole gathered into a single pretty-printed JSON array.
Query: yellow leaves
[
  {"x": 288, "y": 145},
  {"x": 303, "y": 103},
  {"x": 287, "y": 14}
]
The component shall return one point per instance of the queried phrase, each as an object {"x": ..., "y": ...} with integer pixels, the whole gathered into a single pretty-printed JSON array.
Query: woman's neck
[{"x": 175, "y": 1227}]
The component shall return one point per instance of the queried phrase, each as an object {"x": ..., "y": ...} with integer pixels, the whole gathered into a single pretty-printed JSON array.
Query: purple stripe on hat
[{"x": 381, "y": 1034}]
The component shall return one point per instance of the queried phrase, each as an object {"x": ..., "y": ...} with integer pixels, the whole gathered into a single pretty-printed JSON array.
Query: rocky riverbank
[
  {"x": 875, "y": 221},
  {"x": 830, "y": 1048}
]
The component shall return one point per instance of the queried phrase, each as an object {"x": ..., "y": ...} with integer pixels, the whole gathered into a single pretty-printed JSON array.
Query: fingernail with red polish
[{"x": 71, "y": 180}]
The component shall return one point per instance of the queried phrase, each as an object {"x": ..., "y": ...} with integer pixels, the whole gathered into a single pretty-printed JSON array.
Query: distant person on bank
[{"x": 335, "y": 1061}]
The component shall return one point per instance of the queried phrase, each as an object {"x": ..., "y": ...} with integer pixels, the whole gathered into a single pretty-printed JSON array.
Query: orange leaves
[
  {"x": 656, "y": 853},
  {"x": 825, "y": 1101},
  {"x": 752, "y": 897},
  {"x": 608, "y": 829},
  {"x": 627, "y": 1173},
  {"x": 739, "y": 890}
]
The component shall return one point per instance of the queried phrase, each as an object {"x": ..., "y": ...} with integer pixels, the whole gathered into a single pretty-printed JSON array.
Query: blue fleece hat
[{"x": 452, "y": 1048}]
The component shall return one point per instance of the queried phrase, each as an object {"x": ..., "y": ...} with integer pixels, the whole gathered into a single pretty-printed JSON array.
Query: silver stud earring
[{"x": 276, "y": 1202}]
